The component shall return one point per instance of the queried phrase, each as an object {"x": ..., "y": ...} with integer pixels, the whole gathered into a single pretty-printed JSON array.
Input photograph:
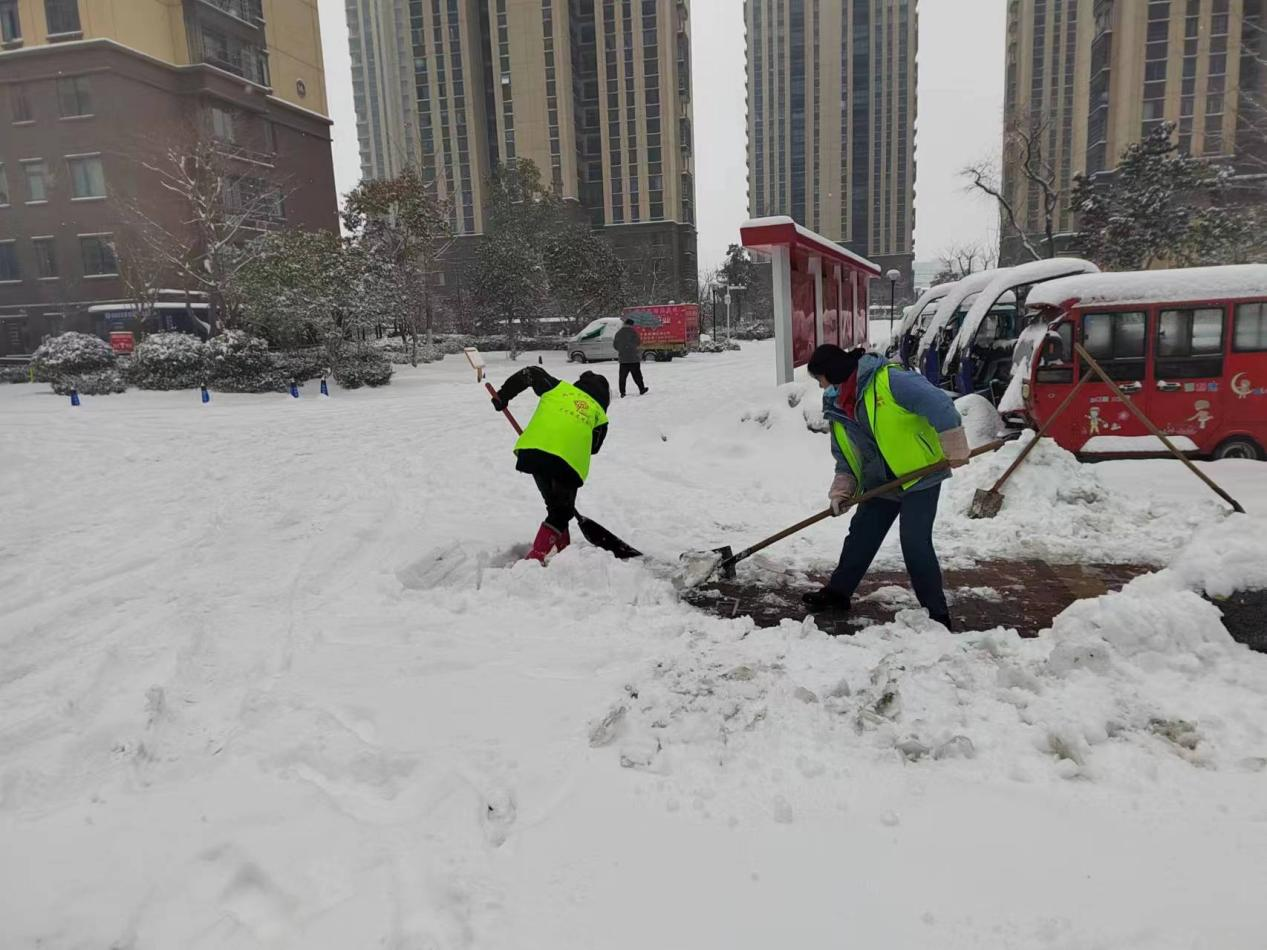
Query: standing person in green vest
[
  {"x": 567, "y": 428},
  {"x": 885, "y": 422}
]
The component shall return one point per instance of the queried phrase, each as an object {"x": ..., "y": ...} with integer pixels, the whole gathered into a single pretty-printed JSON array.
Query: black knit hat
[
  {"x": 835, "y": 364},
  {"x": 597, "y": 386}
]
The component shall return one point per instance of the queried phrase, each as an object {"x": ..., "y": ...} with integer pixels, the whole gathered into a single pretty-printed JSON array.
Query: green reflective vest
[
  {"x": 906, "y": 439},
  {"x": 564, "y": 425}
]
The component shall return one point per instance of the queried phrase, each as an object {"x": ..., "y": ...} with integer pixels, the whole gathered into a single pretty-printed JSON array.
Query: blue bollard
[
  {"x": 74, "y": 397},
  {"x": 325, "y": 390},
  {"x": 206, "y": 396},
  {"x": 294, "y": 389}
]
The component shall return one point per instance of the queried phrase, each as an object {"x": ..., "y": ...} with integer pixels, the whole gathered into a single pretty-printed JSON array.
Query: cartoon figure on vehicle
[{"x": 1202, "y": 416}]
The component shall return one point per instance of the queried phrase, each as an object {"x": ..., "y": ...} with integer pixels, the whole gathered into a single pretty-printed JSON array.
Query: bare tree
[
  {"x": 1023, "y": 149},
  {"x": 222, "y": 208},
  {"x": 960, "y": 260},
  {"x": 141, "y": 271}
]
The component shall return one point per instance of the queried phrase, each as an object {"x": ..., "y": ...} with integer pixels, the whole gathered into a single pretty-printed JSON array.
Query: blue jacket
[{"x": 913, "y": 393}]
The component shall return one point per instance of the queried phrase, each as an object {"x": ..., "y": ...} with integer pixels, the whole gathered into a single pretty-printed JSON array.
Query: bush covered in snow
[
  {"x": 753, "y": 331},
  {"x": 15, "y": 374},
  {"x": 355, "y": 369},
  {"x": 70, "y": 354},
  {"x": 715, "y": 346},
  {"x": 101, "y": 382},
  {"x": 169, "y": 361},
  {"x": 240, "y": 363},
  {"x": 301, "y": 365}
]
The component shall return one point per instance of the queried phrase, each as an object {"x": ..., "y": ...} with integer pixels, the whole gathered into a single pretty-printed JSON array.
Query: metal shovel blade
[
  {"x": 699, "y": 566},
  {"x": 985, "y": 504}
]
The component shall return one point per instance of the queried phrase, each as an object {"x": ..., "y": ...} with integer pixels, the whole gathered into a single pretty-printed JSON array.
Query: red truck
[{"x": 667, "y": 330}]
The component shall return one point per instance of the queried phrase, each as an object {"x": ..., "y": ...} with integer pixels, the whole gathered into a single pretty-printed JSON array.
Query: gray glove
[
  {"x": 954, "y": 444},
  {"x": 843, "y": 487}
]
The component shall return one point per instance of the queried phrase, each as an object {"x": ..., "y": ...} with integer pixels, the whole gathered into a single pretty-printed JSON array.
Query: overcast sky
[{"x": 960, "y": 117}]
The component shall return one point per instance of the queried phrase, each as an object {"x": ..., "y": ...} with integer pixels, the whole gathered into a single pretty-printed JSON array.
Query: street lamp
[{"x": 894, "y": 275}]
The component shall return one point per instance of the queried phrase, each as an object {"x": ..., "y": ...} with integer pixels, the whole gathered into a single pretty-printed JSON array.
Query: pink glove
[{"x": 843, "y": 488}]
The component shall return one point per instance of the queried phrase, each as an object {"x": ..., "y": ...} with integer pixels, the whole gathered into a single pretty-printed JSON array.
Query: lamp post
[{"x": 894, "y": 275}]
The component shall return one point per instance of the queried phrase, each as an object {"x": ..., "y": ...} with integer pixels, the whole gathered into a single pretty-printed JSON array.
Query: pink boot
[
  {"x": 547, "y": 544},
  {"x": 564, "y": 540}
]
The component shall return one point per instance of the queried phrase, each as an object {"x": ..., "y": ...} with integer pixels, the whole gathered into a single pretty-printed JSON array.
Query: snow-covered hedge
[
  {"x": 753, "y": 331},
  {"x": 169, "y": 361},
  {"x": 362, "y": 368},
  {"x": 240, "y": 363},
  {"x": 70, "y": 354},
  {"x": 102, "y": 382},
  {"x": 715, "y": 346},
  {"x": 15, "y": 374},
  {"x": 301, "y": 365}
]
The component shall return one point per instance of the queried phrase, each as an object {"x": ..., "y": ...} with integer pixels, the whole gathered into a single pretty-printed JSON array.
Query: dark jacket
[
  {"x": 534, "y": 461},
  {"x": 913, "y": 393},
  {"x": 628, "y": 345}
]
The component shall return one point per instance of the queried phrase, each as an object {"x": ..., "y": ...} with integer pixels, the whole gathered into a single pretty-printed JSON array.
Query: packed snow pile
[
  {"x": 981, "y": 421},
  {"x": 1226, "y": 557}
]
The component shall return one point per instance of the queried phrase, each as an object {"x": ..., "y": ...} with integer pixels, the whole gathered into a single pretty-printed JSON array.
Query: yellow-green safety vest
[
  {"x": 906, "y": 439},
  {"x": 564, "y": 425}
]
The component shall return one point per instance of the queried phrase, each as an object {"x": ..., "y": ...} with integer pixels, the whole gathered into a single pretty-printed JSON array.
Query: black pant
[
  {"x": 634, "y": 370},
  {"x": 560, "y": 499},
  {"x": 871, "y": 522}
]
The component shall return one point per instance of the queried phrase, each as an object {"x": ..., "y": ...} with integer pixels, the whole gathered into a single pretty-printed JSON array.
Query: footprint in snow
[{"x": 498, "y": 816}]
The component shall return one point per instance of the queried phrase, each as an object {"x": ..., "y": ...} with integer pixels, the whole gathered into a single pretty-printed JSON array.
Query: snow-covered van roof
[
  {"x": 926, "y": 300},
  {"x": 1018, "y": 276},
  {"x": 963, "y": 289},
  {"x": 1231, "y": 281}
]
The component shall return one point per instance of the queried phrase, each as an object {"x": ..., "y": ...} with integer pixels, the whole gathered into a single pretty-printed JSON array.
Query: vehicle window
[
  {"x": 1250, "y": 334},
  {"x": 1118, "y": 342},
  {"x": 1190, "y": 343},
  {"x": 1054, "y": 365}
]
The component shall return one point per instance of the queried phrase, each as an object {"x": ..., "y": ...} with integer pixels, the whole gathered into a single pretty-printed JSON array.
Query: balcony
[{"x": 248, "y": 11}]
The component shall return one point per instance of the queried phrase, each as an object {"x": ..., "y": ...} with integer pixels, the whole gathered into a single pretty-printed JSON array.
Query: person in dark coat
[
  {"x": 567, "y": 428},
  {"x": 629, "y": 351},
  {"x": 886, "y": 422}
]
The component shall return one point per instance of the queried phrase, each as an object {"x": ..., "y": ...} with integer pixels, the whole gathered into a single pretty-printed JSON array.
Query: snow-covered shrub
[
  {"x": 169, "y": 361},
  {"x": 241, "y": 363},
  {"x": 101, "y": 382},
  {"x": 369, "y": 367},
  {"x": 301, "y": 365},
  {"x": 70, "y": 354},
  {"x": 715, "y": 346},
  {"x": 753, "y": 331},
  {"x": 15, "y": 374},
  {"x": 452, "y": 347}
]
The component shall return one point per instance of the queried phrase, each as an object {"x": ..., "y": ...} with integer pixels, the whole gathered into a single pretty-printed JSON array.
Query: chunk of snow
[{"x": 981, "y": 421}]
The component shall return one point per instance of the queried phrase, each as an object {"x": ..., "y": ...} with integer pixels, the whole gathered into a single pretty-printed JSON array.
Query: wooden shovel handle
[
  {"x": 506, "y": 411},
  {"x": 1148, "y": 424},
  {"x": 865, "y": 496}
]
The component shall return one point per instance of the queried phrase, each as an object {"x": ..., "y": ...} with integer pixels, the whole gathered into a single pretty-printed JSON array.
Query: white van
[{"x": 596, "y": 342}]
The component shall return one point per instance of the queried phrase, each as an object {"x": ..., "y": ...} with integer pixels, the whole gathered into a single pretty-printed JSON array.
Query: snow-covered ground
[{"x": 271, "y": 675}]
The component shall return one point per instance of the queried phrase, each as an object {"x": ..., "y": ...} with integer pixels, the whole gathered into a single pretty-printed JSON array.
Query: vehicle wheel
[
  {"x": 577, "y": 357},
  {"x": 1240, "y": 447}
]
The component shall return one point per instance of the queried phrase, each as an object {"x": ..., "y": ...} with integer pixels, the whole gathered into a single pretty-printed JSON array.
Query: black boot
[
  {"x": 945, "y": 621},
  {"x": 826, "y": 599}
]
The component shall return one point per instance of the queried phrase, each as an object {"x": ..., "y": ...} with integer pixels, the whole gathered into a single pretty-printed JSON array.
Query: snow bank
[
  {"x": 1155, "y": 286},
  {"x": 1225, "y": 558}
]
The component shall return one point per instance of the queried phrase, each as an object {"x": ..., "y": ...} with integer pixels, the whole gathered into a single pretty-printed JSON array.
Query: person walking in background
[
  {"x": 567, "y": 428},
  {"x": 629, "y": 350},
  {"x": 886, "y": 422}
]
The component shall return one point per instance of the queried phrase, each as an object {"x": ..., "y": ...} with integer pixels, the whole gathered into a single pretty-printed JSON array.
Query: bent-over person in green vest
[
  {"x": 567, "y": 428},
  {"x": 885, "y": 422}
]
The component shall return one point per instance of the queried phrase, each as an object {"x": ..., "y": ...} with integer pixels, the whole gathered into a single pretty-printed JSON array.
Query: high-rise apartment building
[
  {"x": 95, "y": 93},
  {"x": 1086, "y": 78},
  {"x": 831, "y": 120},
  {"x": 596, "y": 93}
]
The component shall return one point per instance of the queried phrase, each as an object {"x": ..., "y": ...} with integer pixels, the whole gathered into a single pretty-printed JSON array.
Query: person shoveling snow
[
  {"x": 886, "y": 422},
  {"x": 567, "y": 428}
]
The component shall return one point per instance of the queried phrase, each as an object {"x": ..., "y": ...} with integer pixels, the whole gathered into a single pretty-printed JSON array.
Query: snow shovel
[
  {"x": 699, "y": 566},
  {"x": 988, "y": 503},
  {"x": 594, "y": 532}
]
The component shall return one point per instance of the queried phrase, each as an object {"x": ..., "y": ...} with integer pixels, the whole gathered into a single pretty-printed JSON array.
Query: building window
[
  {"x": 21, "y": 105},
  {"x": 88, "y": 178},
  {"x": 4, "y": 186},
  {"x": 74, "y": 97},
  {"x": 10, "y": 23},
  {"x": 46, "y": 257},
  {"x": 222, "y": 125},
  {"x": 63, "y": 16},
  {"x": 270, "y": 137},
  {"x": 36, "y": 181},
  {"x": 1250, "y": 332},
  {"x": 9, "y": 270},
  {"x": 98, "y": 255}
]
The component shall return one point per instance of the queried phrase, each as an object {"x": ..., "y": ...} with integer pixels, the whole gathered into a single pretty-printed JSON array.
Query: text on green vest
[{"x": 564, "y": 425}]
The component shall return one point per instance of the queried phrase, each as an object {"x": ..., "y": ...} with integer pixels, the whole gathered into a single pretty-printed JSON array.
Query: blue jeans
[{"x": 871, "y": 522}]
